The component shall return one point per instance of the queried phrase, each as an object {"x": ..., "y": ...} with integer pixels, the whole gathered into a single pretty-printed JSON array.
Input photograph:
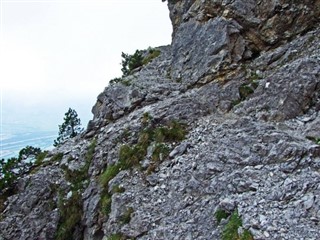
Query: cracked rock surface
[{"x": 243, "y": 78}]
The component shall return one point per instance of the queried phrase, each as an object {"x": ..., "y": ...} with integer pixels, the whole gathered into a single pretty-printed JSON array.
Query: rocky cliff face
[{"x": 223, "y": 125}]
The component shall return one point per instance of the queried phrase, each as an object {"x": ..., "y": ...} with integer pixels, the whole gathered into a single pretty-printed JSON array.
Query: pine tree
[
  {"x": 131, "y": 62},
  {"x": 29, "y": 152},
  {"x": 70, "y": 128}
]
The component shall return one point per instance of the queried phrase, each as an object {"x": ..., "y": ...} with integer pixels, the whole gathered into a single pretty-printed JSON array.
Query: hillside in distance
[{"x": 14, "y": 138}]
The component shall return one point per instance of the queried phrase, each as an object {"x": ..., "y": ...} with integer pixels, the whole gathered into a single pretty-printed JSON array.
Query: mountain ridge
[{"x": 240, "y": 83}]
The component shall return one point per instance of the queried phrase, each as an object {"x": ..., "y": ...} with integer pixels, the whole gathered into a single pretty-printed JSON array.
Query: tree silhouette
[
  {"x": 70, "y": 128},
  {"x": 131, "y": 62},
  {"x": 13, "y": 168}
]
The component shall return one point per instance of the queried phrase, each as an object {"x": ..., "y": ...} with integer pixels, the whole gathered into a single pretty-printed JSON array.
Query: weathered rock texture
[{"x": 243, "y": 76}]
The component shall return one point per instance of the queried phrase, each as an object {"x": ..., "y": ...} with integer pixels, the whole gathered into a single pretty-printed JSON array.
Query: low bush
[
  {"x": 105, "y": 203},
  {"x": 70, "y": 211},
  {"x": 131, "y": 62},
  {"x": 152, "y": 54},
  {"x": 174, "y": 132},
  {"x": 160, "y": 152},
  {"x": 14, "y": 168},
  {"x": 41, "y": 156},
  {"x": 117, "y": 236},
  {"x": 230, "y": 231},
  {"x": 57, "y": 157},
  {"x": 130, "y": 156},
  {"x": 221, "y": 214},
  {"x": 110, "y": 172}
]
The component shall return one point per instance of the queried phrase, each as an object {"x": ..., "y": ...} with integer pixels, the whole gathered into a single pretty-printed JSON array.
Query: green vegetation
[
  {"x": 8, "y": 174},
  {"x": 57, "y": 157},
  {"x": 221, "y": 214},
  {"x": 78, "y": 177},
  {"x": 314, "y": 139},
  {"x": 131, "y": 62},
  {"x": 174, "y": 132},
  {"x": 106, "y": 197},
  {"x": 41, "y": 156},
  {"x": 254, "y": 77},
  {"x": 110, "y": 172},
  {"x": 246, "y": 235},
  {"x": 116, "y": 80},
  {"x": 245, "y": 90},
  {"x": 29, "y": 152},
  {"x": 152, "y": 54},
  {"x": 248, "y": 88},
  {"x": 123, "y": 81},
  {"x": 134, "y": 61},
  {"x": 160, "y": 152},
  {"x": 146, "y": 119},
  {"x": 69, "y": 128},
  {"x": 40, "y": 163},
  {"x": 10, "y": 171},
  {"x": 105, "y": 203},
  {"x": 131, "y": 155},
  {"x": 126, "y": 217},
  {"x": 14, "y": 168},
  {"x": 91, "y": 151},
  {"x": 117, "y": 236},
  {"x": 118, "y": 189},
  {"x": 70, "y": 209},
  {"x": 230, "y": 231}
]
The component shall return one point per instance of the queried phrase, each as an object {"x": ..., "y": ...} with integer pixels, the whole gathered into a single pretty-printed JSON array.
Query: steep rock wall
[
  {"x": 243, "y": 77},
  {"x": 214, "y": 38}
]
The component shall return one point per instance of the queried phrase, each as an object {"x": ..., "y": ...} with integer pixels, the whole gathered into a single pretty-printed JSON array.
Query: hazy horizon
[{"x": 60, "y": 54}]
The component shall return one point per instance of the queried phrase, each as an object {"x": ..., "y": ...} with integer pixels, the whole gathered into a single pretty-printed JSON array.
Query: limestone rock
[{"x": 243, "y": 78}]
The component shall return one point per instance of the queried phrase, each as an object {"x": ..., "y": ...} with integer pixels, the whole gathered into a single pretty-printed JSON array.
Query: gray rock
[
  {"x": 244, "y": 78},
  {"x": 179, "y": 150}
]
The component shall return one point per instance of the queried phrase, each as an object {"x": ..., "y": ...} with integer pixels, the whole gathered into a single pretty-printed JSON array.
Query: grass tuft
[
  {"x": 230, "y": 231},
  {"x": 117, "y": 236},
  {"x": 57, "y": 157},
  {"x": 126, "y": 217},
  {"x": 110, "y": 172},
  {"x": 105, "y": 203},
  {"x": 221, "y": 214},
  {"x": 70, "y": 216},
  {"x": 153, "y": 53}
]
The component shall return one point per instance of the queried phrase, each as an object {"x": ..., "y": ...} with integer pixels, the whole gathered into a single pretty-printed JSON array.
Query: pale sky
[{"x": 60, "y": 54}]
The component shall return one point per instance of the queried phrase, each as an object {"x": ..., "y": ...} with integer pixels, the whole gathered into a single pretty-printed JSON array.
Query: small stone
[
  {"x": 227, "y": 204},
  {"x": 308, "y": 201}
]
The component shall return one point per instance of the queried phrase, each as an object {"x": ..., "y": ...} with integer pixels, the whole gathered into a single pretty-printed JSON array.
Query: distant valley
[{"x": 12, "y": 140}]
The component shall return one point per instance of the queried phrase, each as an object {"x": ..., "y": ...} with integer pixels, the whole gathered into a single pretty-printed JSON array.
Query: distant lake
[{"x": 12, "y": 142}]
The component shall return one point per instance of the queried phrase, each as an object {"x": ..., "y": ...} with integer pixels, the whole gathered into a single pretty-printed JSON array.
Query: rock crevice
[{"x": 225, "y": 121}]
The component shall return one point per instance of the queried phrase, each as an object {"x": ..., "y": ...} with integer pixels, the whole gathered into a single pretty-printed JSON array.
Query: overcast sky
[{"x": 60, "y": 54}]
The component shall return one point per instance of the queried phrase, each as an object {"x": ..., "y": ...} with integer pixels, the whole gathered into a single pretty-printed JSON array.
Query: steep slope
[{"x": 224, "y": 122}]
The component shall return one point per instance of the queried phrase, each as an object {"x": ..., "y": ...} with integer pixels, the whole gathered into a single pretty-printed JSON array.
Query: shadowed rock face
[
  {"x": 243, "y": 77},
  {"x": 215, "y": 36}
]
